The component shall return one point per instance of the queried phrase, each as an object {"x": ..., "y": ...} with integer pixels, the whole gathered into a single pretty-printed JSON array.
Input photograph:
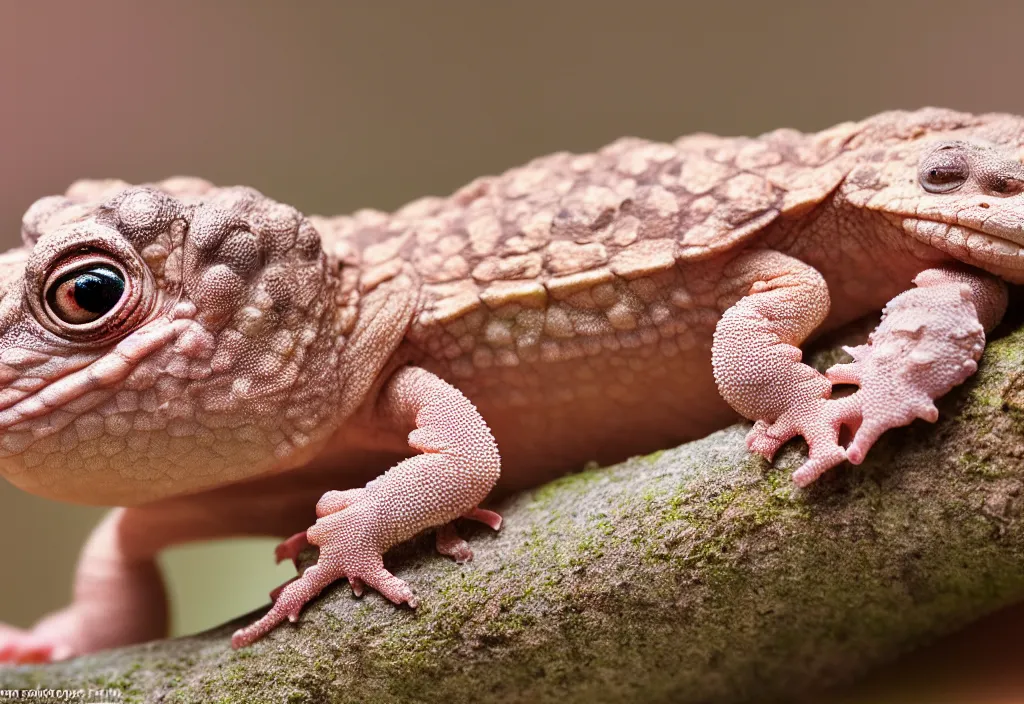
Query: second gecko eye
[
  {"x": 944, "y": 170},
  {"x": 86, "y": 294}
]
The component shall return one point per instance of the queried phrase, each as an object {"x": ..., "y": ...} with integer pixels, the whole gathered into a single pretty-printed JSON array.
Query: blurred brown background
[{"x": 336, "y": 106}]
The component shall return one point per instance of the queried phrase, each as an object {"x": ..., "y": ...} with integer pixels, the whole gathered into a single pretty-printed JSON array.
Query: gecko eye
[
  {"x": 943, "y": 171},
  {"x": 85, "y": 294}
]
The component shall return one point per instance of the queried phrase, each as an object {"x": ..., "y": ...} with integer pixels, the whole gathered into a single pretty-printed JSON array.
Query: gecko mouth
[
  {"x": 1001, "y": 249},
  {"x": 103, "y": 373}
]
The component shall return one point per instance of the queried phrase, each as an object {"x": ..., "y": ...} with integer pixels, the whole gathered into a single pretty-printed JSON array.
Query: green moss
[
  {"x": 569, "y": 484},
  {"x": 505, "y": 627},
  {"x": 718, "y": 503},
  {"x": 1008, "y": 350},
  {"x": 972, "y": 463},
  {"x": 654, "y": 456},
  {"x": 587, "y": 549},
  {"x": 123, "y": 681}
]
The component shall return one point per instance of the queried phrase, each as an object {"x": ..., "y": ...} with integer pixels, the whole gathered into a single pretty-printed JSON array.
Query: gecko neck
[{"x": 875, "y": 262}]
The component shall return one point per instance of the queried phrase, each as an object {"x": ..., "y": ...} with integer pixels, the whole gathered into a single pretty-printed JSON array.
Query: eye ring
[
  {"x": 59, "y": 297},
  {"x": 944, "y": 170},
  {"x": 85, "y": 294},
  {"x": 119, "y": 314},
  {"x": 82, "y": 245}
]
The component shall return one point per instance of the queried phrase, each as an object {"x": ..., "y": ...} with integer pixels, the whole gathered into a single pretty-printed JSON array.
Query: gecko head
[
  {"x": 950, "y": 180},
  {"x": 159, "y": 340}
]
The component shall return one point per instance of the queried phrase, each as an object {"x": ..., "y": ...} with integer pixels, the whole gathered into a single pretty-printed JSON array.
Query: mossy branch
[{"x": 697, "y": 574}]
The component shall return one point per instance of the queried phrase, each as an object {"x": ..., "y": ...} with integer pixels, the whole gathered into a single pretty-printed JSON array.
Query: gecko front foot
[
  {"x": 758, "y": 365},
  {"x": 457, "y": 467},
  {"x": 448, "y": 542},
  {"x": 348, "y": 550}
]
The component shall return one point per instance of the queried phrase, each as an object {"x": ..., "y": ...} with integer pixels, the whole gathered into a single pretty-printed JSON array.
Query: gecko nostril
[{"x": 983, "y": 205}]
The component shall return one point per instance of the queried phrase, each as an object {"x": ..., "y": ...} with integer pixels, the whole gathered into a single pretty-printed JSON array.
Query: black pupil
[
  {"x": 945, "y": 174},
  {"x": 97, "y": 290}
]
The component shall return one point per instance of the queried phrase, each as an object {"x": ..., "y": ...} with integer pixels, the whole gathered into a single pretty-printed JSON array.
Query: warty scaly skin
[{"x": 566, "y": 310}]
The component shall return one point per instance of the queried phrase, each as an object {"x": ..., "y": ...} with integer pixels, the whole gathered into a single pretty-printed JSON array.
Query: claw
[
  {"x": 814, "y": 467},
  {"x": 820, "y": 421},
  {"x": 482, "y": 515},
  {"x": 928, "y": 411},
  {"x": 357, "y": 586},
  {"x": 290, "y": 548},
  {"x": 289, "y": 603},
  {"x": 766, "y": 439}
]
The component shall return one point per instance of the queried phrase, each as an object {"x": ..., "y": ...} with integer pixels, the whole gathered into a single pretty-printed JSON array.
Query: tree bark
[{"x": 698, "y": 574}]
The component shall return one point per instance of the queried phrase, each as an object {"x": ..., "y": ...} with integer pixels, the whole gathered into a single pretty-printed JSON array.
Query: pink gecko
[{"x": 219, "y": 364}]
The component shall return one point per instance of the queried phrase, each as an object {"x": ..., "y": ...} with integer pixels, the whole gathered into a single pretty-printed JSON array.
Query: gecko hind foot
[
  {"x": 51, "y": 639},
  {"x": 929, "y": 340},
  {"x": 19, "y": 646},
  {"x": 820, "y": 421}
]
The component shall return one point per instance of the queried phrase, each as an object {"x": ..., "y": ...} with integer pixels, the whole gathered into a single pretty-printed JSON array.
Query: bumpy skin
[{"x": 583, "y": 307}]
